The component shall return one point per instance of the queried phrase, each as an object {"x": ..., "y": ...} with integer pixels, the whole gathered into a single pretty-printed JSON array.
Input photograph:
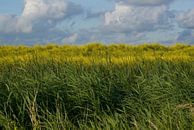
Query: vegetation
[{"x": 97, "y": 87}]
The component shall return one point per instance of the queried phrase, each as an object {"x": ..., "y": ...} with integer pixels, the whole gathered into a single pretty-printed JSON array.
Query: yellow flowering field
[{"x": 97, "y": 87}]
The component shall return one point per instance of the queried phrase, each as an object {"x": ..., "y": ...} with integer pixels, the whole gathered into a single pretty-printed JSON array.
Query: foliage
[{"x": 97, "y": 86}]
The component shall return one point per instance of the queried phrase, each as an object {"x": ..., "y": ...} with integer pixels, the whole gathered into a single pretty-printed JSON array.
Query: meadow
[{"x": 97, "y": 87}]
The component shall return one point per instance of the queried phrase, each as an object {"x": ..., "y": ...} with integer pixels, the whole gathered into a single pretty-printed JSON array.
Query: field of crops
[{"x": 97, "y": 87}]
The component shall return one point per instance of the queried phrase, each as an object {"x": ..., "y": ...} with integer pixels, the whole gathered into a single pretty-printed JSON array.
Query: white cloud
[
  {"x": 186, "y": 23},
  {"x": 186, "y": 19},
  {"x": 129, "y": 21},
  {"x": 38, "y": 23},
  {"x": 38, "y": 14},
  {"x": 127, "y": 18},
  {"x": 52, "y": 9},
  {"x": 7, "y": 23},
  {"x": 70, "y": 39}
]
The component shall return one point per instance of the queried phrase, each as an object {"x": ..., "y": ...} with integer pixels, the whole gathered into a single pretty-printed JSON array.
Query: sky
[{"x": 107, "y": 21}]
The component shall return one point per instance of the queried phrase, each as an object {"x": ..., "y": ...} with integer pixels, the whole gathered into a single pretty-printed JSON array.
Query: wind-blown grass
[{"x": 97, "y": 87}]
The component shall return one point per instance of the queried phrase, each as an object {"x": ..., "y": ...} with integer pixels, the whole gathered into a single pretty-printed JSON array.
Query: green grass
[{"x": 148, "y": 94}]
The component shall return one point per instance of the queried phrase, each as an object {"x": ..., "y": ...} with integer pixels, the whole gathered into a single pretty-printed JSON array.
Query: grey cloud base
[{"x": 145, "y": 2}]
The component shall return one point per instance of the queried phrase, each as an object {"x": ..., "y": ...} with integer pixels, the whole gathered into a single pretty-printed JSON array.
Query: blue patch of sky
[
  {"x": 182, "y": 5},
  {"x": 95, "y": 5},
  {"x": 11, "y": 6}
]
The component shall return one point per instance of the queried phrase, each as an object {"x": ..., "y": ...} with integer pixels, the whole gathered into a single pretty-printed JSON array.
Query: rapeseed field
[{"x": 97, "y": 87}]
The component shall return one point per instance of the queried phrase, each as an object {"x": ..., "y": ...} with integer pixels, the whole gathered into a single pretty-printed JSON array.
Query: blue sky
[
  {"x": 11, "y": 6},
  {"x": 108, "y": 21}
]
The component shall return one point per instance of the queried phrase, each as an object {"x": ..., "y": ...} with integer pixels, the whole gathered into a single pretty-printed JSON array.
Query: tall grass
[{"x": 97, "y": 87}]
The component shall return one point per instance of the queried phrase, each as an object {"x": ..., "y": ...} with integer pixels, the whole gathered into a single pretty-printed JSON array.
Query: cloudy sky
[{"x": 109, "y": 21}]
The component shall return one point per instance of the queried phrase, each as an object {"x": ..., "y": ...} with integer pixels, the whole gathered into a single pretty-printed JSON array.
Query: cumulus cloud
[
  {"x": 132, "y": 20},
  {"x": 38, "y": 22},
  {"x": 70, "y": 39},
  {"x": 7, "y": 23},
  {"x": 127, "y": 18},
  {"x": 38, "y": 14},
  {"x": 129, "y": 21},
  {"x": 44, "y": 9},
  {"x": 186, "y": 19}
]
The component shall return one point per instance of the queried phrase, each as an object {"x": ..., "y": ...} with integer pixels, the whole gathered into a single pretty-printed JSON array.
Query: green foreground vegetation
[{"x": 97, "y": 87}]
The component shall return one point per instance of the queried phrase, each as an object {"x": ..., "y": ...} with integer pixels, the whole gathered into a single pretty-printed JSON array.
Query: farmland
[{"x": 96, "y": 86}]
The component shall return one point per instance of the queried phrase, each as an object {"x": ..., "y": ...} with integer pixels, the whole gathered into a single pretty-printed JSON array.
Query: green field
[{"x": 97, "y": 87}]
